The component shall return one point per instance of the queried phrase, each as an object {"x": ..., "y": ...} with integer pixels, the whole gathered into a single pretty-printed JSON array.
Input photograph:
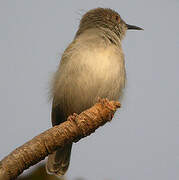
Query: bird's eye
[{"x": 117, "y": 18}]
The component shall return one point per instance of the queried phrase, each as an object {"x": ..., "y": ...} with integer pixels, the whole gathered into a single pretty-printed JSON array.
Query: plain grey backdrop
[{"x": 142, "y": 142}]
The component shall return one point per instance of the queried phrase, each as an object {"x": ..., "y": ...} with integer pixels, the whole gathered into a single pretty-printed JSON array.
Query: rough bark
[{"x": 72, "y": 130}]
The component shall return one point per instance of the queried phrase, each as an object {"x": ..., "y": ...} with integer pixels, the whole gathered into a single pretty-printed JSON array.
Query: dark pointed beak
[{"x": 133, "y": 27}]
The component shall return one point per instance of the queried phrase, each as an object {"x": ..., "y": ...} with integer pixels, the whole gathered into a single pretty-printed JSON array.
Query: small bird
[{"x": 92, "y": 66}]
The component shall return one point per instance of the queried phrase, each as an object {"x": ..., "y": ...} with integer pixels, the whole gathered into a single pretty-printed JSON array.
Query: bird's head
[{"x": 105, "y": 18}]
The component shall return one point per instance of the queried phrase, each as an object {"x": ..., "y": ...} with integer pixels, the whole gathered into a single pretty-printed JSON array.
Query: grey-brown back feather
[{"x": 58, "y": 162}]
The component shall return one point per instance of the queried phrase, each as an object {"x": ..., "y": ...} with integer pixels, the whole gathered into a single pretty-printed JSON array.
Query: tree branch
[{"x": 72, "y": 130}]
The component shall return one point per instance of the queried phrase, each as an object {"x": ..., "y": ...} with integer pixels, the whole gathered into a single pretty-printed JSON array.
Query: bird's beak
[{"x": 133, "y": 27}]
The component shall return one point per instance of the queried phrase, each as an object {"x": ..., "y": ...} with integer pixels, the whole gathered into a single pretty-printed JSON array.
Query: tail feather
[{"x": 58, "y": 162}]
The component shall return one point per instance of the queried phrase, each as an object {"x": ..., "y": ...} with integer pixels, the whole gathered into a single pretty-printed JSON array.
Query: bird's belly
[{"x": 100, "y": 75}]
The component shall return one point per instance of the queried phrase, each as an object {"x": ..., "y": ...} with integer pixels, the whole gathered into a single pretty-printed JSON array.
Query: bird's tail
[{"x": 58, "y": 162}]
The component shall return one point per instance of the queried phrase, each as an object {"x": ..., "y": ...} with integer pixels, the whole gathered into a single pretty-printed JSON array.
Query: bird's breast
[{"x": 90, "y": 71}]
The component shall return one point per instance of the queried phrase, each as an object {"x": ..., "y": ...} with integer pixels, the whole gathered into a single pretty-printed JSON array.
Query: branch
[{"x": 72, "y": 130}]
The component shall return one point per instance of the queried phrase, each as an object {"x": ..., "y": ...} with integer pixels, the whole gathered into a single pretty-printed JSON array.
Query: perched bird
[{"x": 92, "y": 66}]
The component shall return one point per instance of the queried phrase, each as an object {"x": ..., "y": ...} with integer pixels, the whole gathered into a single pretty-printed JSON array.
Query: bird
[{"x": 92, "y": 66}]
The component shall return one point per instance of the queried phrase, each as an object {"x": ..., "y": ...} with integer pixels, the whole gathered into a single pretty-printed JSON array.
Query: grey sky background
[{"x": 142, "y": 142}]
